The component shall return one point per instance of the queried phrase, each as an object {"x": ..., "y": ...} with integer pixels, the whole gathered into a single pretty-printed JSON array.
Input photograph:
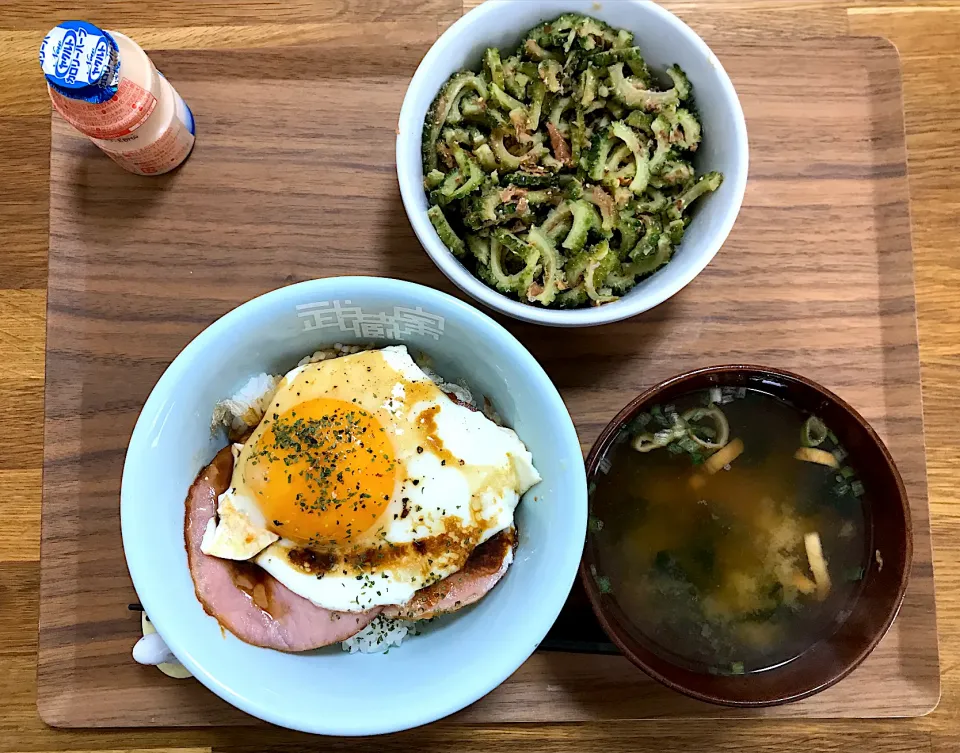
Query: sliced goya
[
  {"x": 629, "y": 55},
  {"x": 571, "y": 185},
  {"x": 591, "y": 267},
  {"x": 450, "y": 239},
  {"x": 538, "y": 93},
  {"x": 465, "y": 179},
  {"x": 707, "y": 183},
  {"x": 647, "y": 243},
  {"x": 527, "y": 255},
  {"x": 486, "y": 157},
  {"x": 554, "y": 33},
  {"x": 662, "y": 131},
  {"x": 629, "y": 229},
  {"x": 627, "y": 135},
  {"x": 589, "y": 84},
  {"x": 585, "y": 219},
  {"x": 493, "y": 66},
  {"x": 653, "y": 261},
  {"x": 675, "y": 173},
  {"x": 560, "y": 106},
  {"x": 523, "y": 179},
  {"x": 440, "y": 109},
  {"x": 483, "y": 208},
  {"x": 675, "y": 230},
  {"x": 433, "y": 179},
  {"x": 681, "y": 84},
  {"x": 545, "y": 292},
  {"x": 559, "y": 221},
  {"x": 578, "y": 135},
  {"x": 616, "y": 158},
  {"x": 653, "y": 202},
  {"x": 550, "y": 72},
  {"x": 690, "y": 126},
  {"x": 605, "y": 205},
  {"x": 626, "y": 275},
  {"x": 642, "y": 121},
  {"x": 592, "y": 33},
  {"x": 514, "y": 82},
  {"x": 595, "y": 159},
  {"x": 504, "y": 101},
  {"x": 479, "y": 247},
  {"x": 532, "y": 49},
  {"x": 505, "y": 159},
  {"x": 573, "y": 298},
  {"x": 638, "y": 97},
  {"x": 470, "y": 137}
]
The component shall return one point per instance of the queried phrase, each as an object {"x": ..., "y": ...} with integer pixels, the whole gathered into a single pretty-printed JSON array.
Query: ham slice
[
  {"x": 245, "y": 599},
  {"x": 487, "y": 565}
]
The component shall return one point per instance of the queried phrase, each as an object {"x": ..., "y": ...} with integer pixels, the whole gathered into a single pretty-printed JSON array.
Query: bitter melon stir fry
[{"x": 561, "y": 174}]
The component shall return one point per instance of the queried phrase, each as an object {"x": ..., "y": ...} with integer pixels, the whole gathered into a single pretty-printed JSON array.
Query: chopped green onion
[
  {"x": 832, "y": 437},
  {"x": 841, "y": 489},
  {"x": 663, "y": 436},
  {"x": 846, "y": 471},
  {"x": 813, "y": 433},
  {"x": 736, "y": 668},
  {"x": 603, "y": 583},
  {"x": 840, "y": 454},
  {"x": 857, "y": 488},
  {"x": 596, "y": 525},
  {"x": 675, "y": 449}
]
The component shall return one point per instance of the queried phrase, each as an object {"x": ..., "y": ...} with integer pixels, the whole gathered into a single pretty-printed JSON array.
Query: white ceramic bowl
[
  {"x": 664, "y": 40},
  {"x": 460, "y": 657}
]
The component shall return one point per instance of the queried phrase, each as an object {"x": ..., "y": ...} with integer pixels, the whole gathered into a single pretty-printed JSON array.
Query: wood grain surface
[
  {"x": 925, "y": 34},
  {"x": 137, "y": 268}
]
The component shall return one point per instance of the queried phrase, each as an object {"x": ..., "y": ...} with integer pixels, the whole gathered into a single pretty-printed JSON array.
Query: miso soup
[{"x": 730, "y": 529}]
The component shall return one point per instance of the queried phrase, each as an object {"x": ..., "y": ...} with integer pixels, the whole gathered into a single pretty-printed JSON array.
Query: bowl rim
[
  {"x": 411, "y": 188},
  {"x": 163, "y": 614},
  {"x": 616, "y": 633}
]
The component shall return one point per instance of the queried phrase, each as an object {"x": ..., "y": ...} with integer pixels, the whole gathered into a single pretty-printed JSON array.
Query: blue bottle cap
[{"x": 81, "y": 61}]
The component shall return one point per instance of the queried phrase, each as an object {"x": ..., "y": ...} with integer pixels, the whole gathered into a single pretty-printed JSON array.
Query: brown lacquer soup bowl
[{"x": 645, "y": 581}]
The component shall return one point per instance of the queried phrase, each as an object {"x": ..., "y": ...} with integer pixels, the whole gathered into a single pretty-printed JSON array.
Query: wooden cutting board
[{"x": 293, "y": 178}]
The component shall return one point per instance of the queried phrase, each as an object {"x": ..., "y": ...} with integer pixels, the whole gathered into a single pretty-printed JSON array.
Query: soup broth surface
[{"x": 713, "y": 569}]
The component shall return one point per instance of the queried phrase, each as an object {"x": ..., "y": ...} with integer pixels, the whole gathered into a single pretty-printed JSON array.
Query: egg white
[{"x": 470, "y": 475}]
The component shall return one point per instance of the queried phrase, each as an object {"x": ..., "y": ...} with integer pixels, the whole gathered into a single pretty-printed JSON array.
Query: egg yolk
[{"x": 322, "y": 472}]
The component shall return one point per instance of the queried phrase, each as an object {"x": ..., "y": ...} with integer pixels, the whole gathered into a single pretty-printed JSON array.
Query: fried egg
[{"x": 365, "y": 482}]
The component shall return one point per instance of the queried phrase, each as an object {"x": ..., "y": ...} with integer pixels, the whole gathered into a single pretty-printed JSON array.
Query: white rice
[
  {"x": 336, "y": 351},
  {"x": 380, "y": 636},
  {"x": 245, "y": 408},
  {"x": 458, "y": 389}
]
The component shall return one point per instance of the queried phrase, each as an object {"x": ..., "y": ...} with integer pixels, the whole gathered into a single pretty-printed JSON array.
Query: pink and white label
[
  {"x": 161, "y": 156},
  {"x": 122, "y": 114}
]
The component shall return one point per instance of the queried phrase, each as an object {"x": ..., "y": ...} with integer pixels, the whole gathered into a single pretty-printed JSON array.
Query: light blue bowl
[{"x": 459, "y": 658}]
